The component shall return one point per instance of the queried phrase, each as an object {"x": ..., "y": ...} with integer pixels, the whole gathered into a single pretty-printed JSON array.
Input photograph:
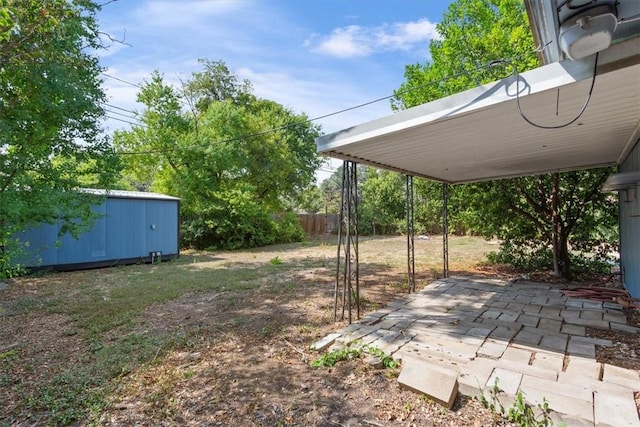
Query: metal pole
[
  {"x": 355, "y": 236},
  {"x": 411, "y": 277},
  {"x": 445, "y": 230},
  {"x": 338, "y": 259},
  {"x": 348, "y": 241}
]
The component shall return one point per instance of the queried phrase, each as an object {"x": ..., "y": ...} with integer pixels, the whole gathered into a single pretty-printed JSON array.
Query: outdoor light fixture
[{"x": 588, "y": 31}]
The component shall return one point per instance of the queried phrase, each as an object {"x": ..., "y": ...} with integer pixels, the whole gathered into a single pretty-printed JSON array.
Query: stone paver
[
  {"x": 583, "y": 367},
  {"x": 439, "y": 383},
  {"x": 554, "y": 342},
  {"x": 549, "y": 360},
  {"x": 464, "y": 333},
  {"x": 506, "y": 380},
  {"x": 617, "y": 375},
  {"x": 615, "y": 410}
]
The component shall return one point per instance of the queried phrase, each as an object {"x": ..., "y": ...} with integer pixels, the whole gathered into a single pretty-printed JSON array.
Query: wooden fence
[{"x": 319, "y": 224}]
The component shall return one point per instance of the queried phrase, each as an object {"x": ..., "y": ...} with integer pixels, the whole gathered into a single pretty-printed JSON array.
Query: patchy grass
[{"x": 145, "y": 342}]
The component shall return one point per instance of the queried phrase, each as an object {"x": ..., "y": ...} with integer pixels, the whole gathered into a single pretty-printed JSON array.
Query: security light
[{"x": 589, "y": 31}]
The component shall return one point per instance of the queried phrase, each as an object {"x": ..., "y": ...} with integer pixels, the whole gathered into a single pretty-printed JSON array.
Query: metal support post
[
  {"x": 411, "y": 266},
  {"x": 445, "y": 229},
  {"x": 347, "y": 286}
]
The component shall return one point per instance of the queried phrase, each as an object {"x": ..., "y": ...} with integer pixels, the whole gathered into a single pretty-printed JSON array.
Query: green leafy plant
[
  {"x": 275, "y": 261},
  {"x": 520, "y": 412},
  {"x": 353, "y": 351}
]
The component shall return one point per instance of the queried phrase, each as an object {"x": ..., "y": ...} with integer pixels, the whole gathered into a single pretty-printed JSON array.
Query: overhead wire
[
  {"x": 487, "y": 65},
  {"x": 576, "y": 118},
  {"x": 121, "y": 80},
  {"x": 311, "y": 120},
  {"x": 124, "y": 121}
]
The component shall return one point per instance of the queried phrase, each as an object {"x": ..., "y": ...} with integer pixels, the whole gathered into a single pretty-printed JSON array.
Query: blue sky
[{"x": 315, "y": 57}]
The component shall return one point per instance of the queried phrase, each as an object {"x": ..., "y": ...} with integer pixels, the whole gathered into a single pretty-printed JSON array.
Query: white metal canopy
[{"x": 479, "y": 134}]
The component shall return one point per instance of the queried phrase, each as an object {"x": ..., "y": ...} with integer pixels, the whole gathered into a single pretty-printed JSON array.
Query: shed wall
[
  {"x": 127, "y": 230},
  {"x": 630, "y": 228}
]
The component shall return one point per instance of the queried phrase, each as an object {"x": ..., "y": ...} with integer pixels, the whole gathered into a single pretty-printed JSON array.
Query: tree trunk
[
  {"x": 555, "y": 227},
  {"x": 559, "y": 233},
  {"x": 565, "y": 262}
]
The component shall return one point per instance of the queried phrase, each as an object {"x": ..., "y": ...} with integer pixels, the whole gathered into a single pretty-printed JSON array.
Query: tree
[
  {"x": 50, "y": 110},
  {"x": 234, "y": 159},
  {"x": 557, "y": 210}
]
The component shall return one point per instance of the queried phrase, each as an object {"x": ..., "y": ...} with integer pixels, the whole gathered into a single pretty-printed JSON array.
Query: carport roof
[{"x": 479, "y": 134}]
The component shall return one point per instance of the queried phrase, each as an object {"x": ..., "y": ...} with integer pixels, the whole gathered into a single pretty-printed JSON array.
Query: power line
[
  {"x": 121, "y": 80},
  {"x": 125, "y": 121},
  {"x": 121, "y": 114},
  {"x": 120, "y": 108},
  {"x": 488, "y": 65}
]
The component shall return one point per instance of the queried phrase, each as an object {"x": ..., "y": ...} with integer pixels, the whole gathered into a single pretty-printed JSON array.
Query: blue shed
[{"x": 133, "y": 227}]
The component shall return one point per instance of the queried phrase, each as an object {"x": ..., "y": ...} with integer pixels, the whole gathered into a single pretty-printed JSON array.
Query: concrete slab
[
  {"x": 492, "y": 348},
  {"x": 506, "y": 380},
  {"x": 570, "y": 329},
  {"x": 549, "y": 360},
  {"x": 439, "y": 383},
  {"x": 503, "y": 333},
  {"x": 580, "y": 410},
  {"x": 620, "y": 376},
  {"x": 474, "y": 375},
  {"x": 576, "y": 390},
  {"x": 530, "y": 370},
  {"x": 614, "y": 316},
  {"x": 615, "y": 410},
  {"x": 517, "y": 356},
  {"x": 550, "y": 325},
  {"x": 582, "y": 367},
  {"x": 325, "y": 342},
  {"x": 624, "y": 328},
  {"x": 581, "y": 348},
  {"x": 554, "y": 342},
  {"x": 528, "y": 337},
  {"x": 528, "y": 320}
]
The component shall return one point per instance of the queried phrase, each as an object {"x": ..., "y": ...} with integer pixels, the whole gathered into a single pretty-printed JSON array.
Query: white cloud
[
  {"x": 317, "y": 96},
  {"x": 358, "y": 41},
  {"x": 351, "y": 41}
]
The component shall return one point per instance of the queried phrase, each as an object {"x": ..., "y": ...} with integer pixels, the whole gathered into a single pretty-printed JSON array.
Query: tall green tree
[
  {"x": 233, "y": 158},
  {"x": 559, "y": 211},
  {"x": 50, "y": 111}
]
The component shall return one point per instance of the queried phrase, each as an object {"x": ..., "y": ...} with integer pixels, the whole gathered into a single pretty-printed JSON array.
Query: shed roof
[
  {"x": 122, "y": 194},
  {"x": 479, "y": 134}
]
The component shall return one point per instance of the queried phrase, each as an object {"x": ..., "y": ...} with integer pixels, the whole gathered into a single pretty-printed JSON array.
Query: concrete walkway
[{"x": 462, "y": 334}]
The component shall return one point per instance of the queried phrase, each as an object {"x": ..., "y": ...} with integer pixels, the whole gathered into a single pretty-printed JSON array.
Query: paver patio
[{"x": 469, "y": 332}]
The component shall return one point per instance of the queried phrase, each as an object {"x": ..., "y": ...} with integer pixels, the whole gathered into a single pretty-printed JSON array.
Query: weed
[
  {"x": 8, "y": 356},
  {"x": 275, "y": 261},
  {"x": 520, "y": 412},
  {"x": 353, "y": 351}
]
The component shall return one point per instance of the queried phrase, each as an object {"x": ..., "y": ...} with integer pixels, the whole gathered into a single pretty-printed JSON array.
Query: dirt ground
[{"x": 244, "y": 359}]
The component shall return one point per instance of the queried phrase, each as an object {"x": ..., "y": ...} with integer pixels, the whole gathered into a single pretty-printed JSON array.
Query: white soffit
[{"x": 479, "y": 135}]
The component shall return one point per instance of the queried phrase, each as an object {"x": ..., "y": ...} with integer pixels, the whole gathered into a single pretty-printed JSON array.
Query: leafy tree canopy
[
  {"x": 234, "y": 159},
  {"x": 50, "y": 110}
]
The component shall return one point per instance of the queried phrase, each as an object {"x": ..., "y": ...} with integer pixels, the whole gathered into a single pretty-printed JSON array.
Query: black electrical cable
[
  {"x": 121, "y": 80},
  {"x": 125, "y": 121},
  {"x": 526, "y": 119}
]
